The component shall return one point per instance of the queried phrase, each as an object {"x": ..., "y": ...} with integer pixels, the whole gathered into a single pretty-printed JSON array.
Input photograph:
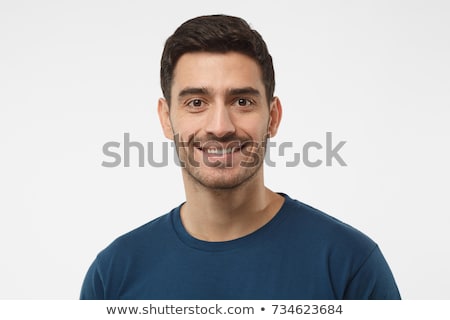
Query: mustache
[
  {"x": 211, "y": 138},
  {"x": 228, "y": 141}
]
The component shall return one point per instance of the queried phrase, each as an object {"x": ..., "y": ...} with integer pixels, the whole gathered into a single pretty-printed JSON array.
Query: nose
[{"x": 219, "y": 122}]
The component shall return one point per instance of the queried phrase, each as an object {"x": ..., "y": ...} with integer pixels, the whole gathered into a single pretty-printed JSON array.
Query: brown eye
[
  {"x": 195, "y": 103},
  {"x": 242, "y": 102}
]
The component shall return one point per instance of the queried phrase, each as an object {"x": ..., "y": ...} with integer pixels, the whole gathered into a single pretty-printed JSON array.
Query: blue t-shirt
[{"x": 302, "y": 253}]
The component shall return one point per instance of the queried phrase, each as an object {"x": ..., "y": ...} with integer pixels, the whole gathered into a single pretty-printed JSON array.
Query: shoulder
[
  {"x": 146, "y": 237},
  {"x": 323, "y": 229},
  {"x": 356, "y": 265},
  {"x": 134, "y": 250}
]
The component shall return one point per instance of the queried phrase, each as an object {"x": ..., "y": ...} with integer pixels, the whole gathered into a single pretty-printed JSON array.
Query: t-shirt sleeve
[
  {"x": 373, "y": 280},
  {"x": 92, "y": 288}
]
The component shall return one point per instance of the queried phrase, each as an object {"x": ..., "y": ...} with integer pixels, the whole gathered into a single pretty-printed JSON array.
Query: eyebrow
[
  {"x": 244, "y": 91},
  {"x": 193, "y": 91}
]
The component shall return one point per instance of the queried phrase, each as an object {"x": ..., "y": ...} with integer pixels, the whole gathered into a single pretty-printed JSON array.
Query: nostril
[{"x": 219, "y": 122}]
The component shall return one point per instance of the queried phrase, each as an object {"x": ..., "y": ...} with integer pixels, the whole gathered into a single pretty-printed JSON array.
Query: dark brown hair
[{"x": 216, "y": 33}]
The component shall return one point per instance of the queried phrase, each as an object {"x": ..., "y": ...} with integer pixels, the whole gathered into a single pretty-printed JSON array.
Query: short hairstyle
[{"x": 220, "y": 34}]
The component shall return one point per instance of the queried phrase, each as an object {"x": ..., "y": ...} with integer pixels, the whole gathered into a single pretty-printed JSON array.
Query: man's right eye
[{"x": 195, "y": 103}]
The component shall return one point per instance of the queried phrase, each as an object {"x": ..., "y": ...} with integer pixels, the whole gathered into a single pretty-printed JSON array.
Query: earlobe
[
  {"x": 164, "y": 118},
  {"x": 274, "y": 117}
]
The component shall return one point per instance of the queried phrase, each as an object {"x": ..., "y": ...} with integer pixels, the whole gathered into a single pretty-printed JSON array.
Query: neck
[{"x": 227, "y": 214}]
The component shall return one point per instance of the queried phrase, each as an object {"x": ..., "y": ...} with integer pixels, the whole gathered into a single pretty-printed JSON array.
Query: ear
[
  {"x": 275, "y": 113},
  {"x": 164, "y": 118}
]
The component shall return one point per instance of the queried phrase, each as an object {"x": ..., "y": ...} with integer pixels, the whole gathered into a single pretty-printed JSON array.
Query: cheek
[
  {"x": 184, "y": 130},
  {"x": 181, "y": 125},
  {"x": 256, "y": 127}
]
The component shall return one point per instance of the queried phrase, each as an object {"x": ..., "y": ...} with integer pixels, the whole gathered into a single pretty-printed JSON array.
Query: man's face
[{"x": 219, "y": 117}]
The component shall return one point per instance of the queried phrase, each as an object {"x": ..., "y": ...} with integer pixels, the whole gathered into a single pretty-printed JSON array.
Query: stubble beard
[{"x": 222, "y": 177}]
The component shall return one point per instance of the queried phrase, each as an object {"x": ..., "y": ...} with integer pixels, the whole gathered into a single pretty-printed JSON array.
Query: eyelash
[
  {"x": 249, "y": 103},
  {"x": 190, "y": 102}
]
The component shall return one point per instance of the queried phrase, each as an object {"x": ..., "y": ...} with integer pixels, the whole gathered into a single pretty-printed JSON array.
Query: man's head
[
  {"x": 219, "y": 34},
  {"x": 217, "y": 78}
]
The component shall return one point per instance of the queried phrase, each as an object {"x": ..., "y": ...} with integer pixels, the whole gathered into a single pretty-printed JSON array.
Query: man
[{"x": 233, "y": 238}]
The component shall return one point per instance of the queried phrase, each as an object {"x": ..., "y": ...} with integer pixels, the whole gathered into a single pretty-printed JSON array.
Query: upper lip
[
  {"x": 219, "y": 150},
  {"x": 216, "y": 147}
]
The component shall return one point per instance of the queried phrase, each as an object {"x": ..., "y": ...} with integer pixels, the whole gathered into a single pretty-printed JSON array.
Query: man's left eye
[{"x": 242, "y": 102}]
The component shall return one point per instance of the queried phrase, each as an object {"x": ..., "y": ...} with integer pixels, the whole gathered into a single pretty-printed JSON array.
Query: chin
[{"x": 222, "y": 181}]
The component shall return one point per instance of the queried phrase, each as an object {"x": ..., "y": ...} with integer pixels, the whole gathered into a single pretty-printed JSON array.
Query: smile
[{"x": 218, "y": 151}]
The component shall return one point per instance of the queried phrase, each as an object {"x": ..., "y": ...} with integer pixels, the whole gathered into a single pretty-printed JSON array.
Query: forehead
[{"x": 219, "y": 71}]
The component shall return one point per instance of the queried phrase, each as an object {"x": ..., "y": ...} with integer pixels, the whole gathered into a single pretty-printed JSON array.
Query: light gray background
[{"x": 77, "y": 74}]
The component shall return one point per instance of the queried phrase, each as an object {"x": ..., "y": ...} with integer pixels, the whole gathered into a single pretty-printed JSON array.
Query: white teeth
[{"x": 220, "y": 151}]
